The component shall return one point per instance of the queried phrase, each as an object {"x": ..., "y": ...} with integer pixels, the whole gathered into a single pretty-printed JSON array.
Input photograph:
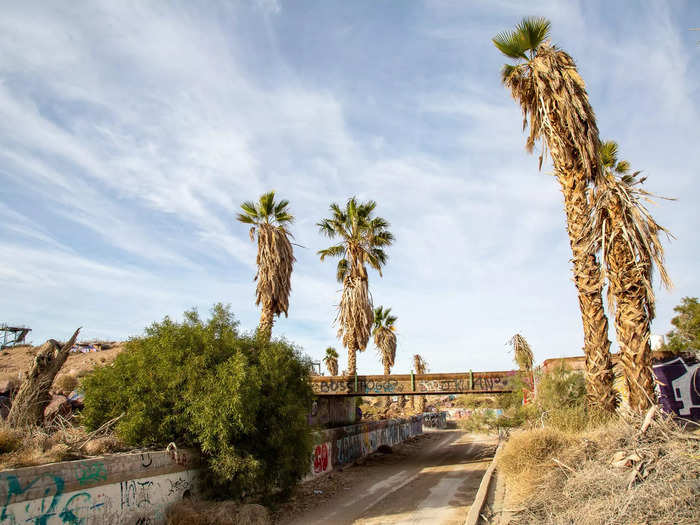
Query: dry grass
[
  {"x": 63, "y": 441},
  {"x": 189, "y": 512},
  {"x": 65, "y": 383},
  {"x": 612, "y": 474}
]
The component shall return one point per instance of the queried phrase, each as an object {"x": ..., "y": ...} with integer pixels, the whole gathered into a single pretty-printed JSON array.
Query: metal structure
[
  {"x": 13, "y": 335},
  {"x": 415, "y": 384}
]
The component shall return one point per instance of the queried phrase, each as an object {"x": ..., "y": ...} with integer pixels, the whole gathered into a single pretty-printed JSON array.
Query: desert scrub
[
  {"x": 65, "y": 383},
  {"x": 241, "y": 400}
]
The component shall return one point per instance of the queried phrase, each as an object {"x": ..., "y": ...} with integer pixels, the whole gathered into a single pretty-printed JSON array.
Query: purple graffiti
[{"x": 679, "y": 387}]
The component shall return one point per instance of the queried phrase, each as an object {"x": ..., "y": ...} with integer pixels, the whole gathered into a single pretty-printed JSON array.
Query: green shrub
[{"x": 242, "y": 401}]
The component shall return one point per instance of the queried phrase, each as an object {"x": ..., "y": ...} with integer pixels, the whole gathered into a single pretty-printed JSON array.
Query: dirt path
[{"x": 432, "y": 479}]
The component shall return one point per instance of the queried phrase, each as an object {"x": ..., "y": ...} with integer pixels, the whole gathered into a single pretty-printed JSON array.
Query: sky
[{"x": 130, "y": 132}]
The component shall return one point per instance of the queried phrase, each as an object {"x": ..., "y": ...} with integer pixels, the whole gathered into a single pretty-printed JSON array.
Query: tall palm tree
[
  {"x": 331, "y": 361},
  {"x": 385, "y": 339},
  {"x": 362, "y": 239},
  {"x": 628, "y": 237},
  {"x": 553, "y": 99},
  {"x": 270, "y": 220},
  {"x": 421, "y": 367}
]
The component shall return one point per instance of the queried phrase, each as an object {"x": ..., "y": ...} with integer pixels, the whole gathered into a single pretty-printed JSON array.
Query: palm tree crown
[
  {"x": 270, "y": 219},
  {"x": 362, "y": 237},
  {"x": 331, "y": 361},
  {"x": 384, "y": 336},
  {"x": 522, "y": 352},
  {"x": 266, "y": 211},
  {"x": 552, "y": 96}
]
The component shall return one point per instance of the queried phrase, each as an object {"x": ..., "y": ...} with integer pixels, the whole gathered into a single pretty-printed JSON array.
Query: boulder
[{"x": 59, "y": 405}]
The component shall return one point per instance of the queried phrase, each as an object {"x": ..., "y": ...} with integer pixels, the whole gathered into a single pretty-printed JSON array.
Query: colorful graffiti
[
  {"x": 679, "y": 387},
  {"x": 80, "y": 492},
  {"x": 321, "y": 459}
]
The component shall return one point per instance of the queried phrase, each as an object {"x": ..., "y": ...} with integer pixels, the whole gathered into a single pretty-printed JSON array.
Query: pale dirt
[
  {"x": 16, "y": 362},
  {"x": 430, "y": 479}
]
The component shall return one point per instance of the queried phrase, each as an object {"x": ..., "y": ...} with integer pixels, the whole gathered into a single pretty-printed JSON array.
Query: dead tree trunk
[{"x": 33, "y": 396}]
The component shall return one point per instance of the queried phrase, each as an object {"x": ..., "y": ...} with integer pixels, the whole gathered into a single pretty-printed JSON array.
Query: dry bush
[
  {"x": 10, "y": 439},
  {"x": 65, "y": 383},
  {"x": 612, "y": 474},
  {"x": 24, "y": 447},
  {"x": 189, "y": 512}
]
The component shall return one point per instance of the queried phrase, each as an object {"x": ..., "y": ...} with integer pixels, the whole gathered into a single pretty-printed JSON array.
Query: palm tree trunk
[
  {"x": 632, "y": 324},
  {"x": 267, "y": 319},
  {"x": 587, "y": 277},
  {"x": 387, "y": 371},
  {"x": 352, "y": 356}
]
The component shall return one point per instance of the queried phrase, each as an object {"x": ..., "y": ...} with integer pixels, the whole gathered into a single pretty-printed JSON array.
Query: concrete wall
[
  {"x": 121, "y": 488},
  {"x": 136, "y": 488},
  {"x": 435, "y": 420},
  {"x": 333, "y": 411},
  {"x": 343, "y": 445}
]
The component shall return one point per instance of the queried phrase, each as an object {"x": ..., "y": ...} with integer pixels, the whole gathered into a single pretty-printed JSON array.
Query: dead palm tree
[
  {"x": 555, "y": 104},
  {"x": 362, "y": 239},
  {"x": 421, "y": 367},
  {"x": 628, "y": 237},
  {"x": 522, "y": 353},
  {"x": 331, "y": 361},
  {"x": 270, "y": 220}
]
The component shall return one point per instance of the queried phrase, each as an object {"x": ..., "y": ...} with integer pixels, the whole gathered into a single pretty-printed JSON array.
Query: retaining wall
[
  {"x": 115, "y": 489},
  {"x": 136, "y": 488}
]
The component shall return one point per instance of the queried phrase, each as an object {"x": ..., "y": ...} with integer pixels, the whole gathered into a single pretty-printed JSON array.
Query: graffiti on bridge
[{"x": 346, "y": 386}]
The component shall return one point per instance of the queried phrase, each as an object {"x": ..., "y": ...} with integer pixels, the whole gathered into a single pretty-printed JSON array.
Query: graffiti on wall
[
  {"x": 435, "y": 419},
  {"x": 679, "y": 387},
  {"x": 321, "y": 459},
  {"x": 384, "y": 385},
  {"x": 345, "y": 386},
  {"x": 50, "y": 497}
]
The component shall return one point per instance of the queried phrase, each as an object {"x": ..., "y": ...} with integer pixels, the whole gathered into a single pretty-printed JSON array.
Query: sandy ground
[
  {"x": 16, "y": 362},
  {"x": 430, "y": 479}
]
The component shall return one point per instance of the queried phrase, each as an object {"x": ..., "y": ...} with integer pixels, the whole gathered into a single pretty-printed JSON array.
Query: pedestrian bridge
[{"x": 415, "y": 384}]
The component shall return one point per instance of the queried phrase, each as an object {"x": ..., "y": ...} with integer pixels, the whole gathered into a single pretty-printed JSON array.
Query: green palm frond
[
  {"x": 608, "y": 153},
  {"x": 266, "y": 210},
  {"x": 332, "y": 251},
  {"x": 528, "y": 35},
  {"x": 362, "y": 236},
  {"x": 533, "y": 31},
  {"x": 242, "y": 217},
  {"x": 342, "y": 270},
  {"x": 511, "y": 44}
]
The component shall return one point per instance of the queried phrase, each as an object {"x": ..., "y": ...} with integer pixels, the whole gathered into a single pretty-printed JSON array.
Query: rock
[
  {"x": 59, "y": 405},
  {"x": 8, "y": 385}
]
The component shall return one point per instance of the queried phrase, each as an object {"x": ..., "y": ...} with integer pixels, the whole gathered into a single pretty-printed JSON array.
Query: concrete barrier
[
  {"x": 138, "y": 487},
  {"x": 343, "y": 445},
  {"x": 120, "y": 488}
]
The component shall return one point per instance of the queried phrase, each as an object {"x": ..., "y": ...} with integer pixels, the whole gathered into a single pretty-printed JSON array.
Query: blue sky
[{"x": 130, "y": 133}]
